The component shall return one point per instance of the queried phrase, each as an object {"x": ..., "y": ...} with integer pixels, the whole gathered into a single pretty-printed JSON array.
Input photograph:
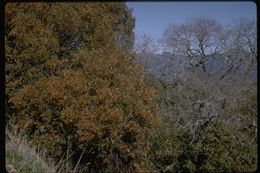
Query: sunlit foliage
[{"x": 72, "y": 85}]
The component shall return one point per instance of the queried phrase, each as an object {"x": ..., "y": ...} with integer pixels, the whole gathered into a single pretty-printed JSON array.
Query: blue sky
[{"x": 153, "y": 17}]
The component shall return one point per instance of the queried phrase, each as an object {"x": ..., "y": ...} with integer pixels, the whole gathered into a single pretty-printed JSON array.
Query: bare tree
[
  {"x": 240, "y": 50},
  {"x": 200, "y": 40},
  {"x": 145, "y": 49},
  {"x": 145, "y": 44},
  {"x": 192, "y": 101}
]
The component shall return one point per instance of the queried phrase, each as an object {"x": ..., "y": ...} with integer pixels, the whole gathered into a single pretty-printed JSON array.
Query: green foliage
[
  {"x": 216, "y": 149},
  {"x": 221, "y": 149},
  {"x": 246, "y": 110},
  {"x": 248, "y": 107},
  {"x": 73, "y": 89}
]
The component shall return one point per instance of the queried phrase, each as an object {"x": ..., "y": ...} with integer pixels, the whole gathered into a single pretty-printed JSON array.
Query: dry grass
[{"x": 21, "y": 157}]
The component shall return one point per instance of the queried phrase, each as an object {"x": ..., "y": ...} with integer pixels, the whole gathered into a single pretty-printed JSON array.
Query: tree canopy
[{"x": 72, "y": 85}]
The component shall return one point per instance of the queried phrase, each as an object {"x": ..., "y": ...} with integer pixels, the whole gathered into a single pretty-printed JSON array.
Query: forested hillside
[{"x": 79, "y": 90}]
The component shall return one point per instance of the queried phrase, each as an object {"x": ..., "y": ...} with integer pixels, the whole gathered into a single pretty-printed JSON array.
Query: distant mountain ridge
[{"x": 166, "y": 66}]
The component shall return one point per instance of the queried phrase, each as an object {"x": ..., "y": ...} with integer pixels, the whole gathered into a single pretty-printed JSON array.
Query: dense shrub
[
  {"x": 247, "y": 114},
  {"x": 73, "y": 86},
  {"x": 221, "y": 149},
  {"x": 216, "y": 149}
]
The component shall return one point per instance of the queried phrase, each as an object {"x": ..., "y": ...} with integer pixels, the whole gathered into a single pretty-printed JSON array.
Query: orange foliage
[{"x": 85, "y": 94}]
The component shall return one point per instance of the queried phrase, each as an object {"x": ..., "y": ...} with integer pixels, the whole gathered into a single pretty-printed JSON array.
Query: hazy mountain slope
[{"x": 166, "y": 66}]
